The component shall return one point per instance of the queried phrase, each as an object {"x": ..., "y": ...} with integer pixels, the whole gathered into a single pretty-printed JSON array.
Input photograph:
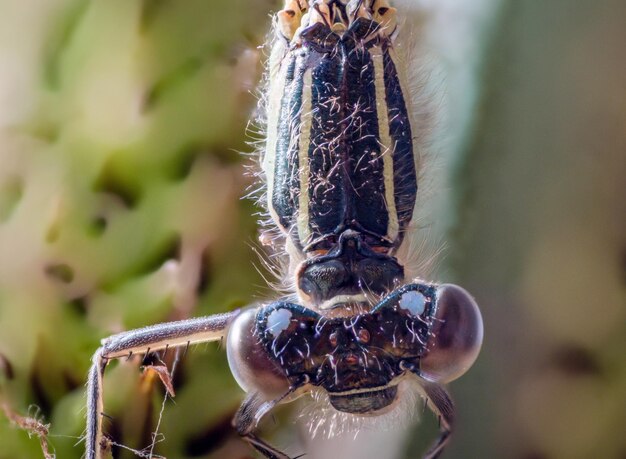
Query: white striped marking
[
  {"x": 306, "y": 119},
  {"x": 385, "y": 142}
]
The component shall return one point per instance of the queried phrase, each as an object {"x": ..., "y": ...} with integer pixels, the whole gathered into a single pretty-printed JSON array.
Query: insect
[{"x": 341, "y": 174}]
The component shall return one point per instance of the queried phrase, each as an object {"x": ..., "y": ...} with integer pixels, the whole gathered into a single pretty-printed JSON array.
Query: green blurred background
[{"x": 120, "y": 186}]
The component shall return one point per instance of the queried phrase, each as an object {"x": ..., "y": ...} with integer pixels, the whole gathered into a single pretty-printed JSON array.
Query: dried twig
[{"x": 32, "y": 426}]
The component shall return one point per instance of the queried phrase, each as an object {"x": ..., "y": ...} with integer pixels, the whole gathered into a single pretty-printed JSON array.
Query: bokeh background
[{"x": 120, "y": 185}]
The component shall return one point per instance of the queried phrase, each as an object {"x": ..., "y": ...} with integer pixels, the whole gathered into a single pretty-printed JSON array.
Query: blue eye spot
[
  {"x": 278, "y": 321},
  {"x": 414, "y": 302}
]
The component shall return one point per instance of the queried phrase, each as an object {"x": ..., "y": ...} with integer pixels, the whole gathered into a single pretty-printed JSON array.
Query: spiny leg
[
  {"x": 142, "y": 341},
  {"x": 247, "y": 418},
  {"x": 442, "y": 406}
]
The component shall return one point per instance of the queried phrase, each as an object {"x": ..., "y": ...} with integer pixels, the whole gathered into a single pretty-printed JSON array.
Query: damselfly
[{"x": 341, "y": 170}]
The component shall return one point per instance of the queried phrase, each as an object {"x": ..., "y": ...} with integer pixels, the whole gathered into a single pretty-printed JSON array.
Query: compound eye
[
  {"x": 456, "y": 336},
  {"x": 249, "y": 362}
]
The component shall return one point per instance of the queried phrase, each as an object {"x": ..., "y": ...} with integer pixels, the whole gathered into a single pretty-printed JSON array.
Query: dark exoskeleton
[{"x": 341, "y": 173}]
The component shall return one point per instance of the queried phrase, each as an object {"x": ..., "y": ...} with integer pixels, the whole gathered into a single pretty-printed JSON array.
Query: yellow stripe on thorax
[
  {"x": 277, "y": 76},
  {"x": 303, "y": 156},
  {"x": 385, "y": 142}
]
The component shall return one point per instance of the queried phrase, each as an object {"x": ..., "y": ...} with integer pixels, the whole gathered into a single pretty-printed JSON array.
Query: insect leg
[
  {"x": 139, "y": 341},
  {"x": 442, "y": 406},
  {"x": 247, "y": 418}
]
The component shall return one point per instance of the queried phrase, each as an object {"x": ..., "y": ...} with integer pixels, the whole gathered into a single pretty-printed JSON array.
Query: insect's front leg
[
  {"x": 442, "y": 406},
  {"x": 143, "y": 341},
  {"x": 250, "y": 413}
]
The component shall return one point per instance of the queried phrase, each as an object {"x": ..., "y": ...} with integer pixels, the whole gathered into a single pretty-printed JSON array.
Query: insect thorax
[{"x": 339, "y": 160}]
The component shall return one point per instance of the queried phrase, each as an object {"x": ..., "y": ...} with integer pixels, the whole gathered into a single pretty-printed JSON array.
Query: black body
[{"x": 346, "y": 175}]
